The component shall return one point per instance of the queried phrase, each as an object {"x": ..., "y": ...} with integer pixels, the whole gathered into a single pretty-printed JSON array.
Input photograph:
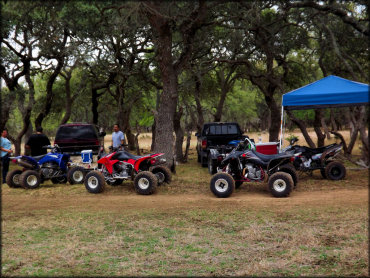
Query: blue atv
[{"x": 54, "y": 165}]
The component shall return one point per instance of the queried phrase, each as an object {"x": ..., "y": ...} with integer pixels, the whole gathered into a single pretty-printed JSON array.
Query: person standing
[
  {"x": 118, "y": 137},
  {"x": 6, "y": 150},
  {"x": 37, "y": 141}
]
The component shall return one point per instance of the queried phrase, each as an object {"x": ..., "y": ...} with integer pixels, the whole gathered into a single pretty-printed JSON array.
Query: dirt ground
[{"x": 25, "y": 203}]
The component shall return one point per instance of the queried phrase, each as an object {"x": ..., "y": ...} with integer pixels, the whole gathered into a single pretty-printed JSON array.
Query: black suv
[
  {"x": 216, "y": 136},
  {"x": 75, "y": 137}
]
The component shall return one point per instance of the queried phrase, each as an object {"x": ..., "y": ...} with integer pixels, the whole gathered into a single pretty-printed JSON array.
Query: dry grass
[
  {"x": 62, "y": 230},
  {"x": 223, "y": 241}
]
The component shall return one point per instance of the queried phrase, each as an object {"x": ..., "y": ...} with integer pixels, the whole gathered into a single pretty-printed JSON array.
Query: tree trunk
[
  {"x": 94, "y": 105},
  {"x": 68, "y": 99},
  {"x": 317, "y": 128},
  {"x": 197, "y": 92},
  {"x": 5, "y": 107},
  {"x": 152, "y": 147},
  {"x": 365, "y": 144},
  {"x": 334, "y": 126},
  {"x": 218, "y": 115},
  {"x": 189, "y": 127},
  {"x": 153, "y": 137},
  {"x": 302, "y": 127},
  {"x": 325, "y": 127},
  {"x": 164, "y": 141},
  {"x": 49, "y": 93},
  {"x": 26, "y": 114},
  {"x": 275, "y": 114},
  {"x": 179, "y": 135},
  {"x": 137, "y": 139}
]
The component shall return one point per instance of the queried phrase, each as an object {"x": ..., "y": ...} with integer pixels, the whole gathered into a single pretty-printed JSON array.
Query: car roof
[
  {"x": 221, "y": 123},
  {"x": 74, "y": 124}
]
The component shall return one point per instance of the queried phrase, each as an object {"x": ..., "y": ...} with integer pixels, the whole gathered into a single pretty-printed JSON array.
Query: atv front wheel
[
  {"x": 76, "y": 175},
  {"x": 335, "y": 170},
  {"x": 289, "y": 169},
  {"x": 94, "y": 182},
  {"x": 12, "y": 178},
  {"x": 222, "y": 185},
  {"x": 163, "y": 174},
  {"x": 280, "y": 184},
  {"x": 30, "y": 179},
  {"x": 145, "y": 183}
]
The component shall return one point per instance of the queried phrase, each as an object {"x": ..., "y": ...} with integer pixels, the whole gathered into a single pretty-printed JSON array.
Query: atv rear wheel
[
  {"x": 94, "y": 182},
  {"x": 12, "y": 178},
  {"x": 30, "y": 179},
  {"x": 222, "y": 185},
  {"x": 145, "y": 183},
  {"x": 280, "y": 184},
  {"x": 163, "y": 174},
  {"x": 335, "y": 170},
  {"x": 76, "y": 175}
]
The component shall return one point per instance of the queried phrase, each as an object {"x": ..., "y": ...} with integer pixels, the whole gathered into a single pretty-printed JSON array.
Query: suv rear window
[
  {"x": 221, "y": 130},
  {"x": 76, "y": 132}
]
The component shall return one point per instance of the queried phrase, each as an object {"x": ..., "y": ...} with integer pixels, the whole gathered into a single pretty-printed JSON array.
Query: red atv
[{"x": 146, "y": 171}]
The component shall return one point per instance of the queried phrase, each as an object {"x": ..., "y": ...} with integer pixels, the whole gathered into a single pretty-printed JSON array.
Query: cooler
[
  {"x": 87, "y": 156},
  {"x": 267, "y": 148}
]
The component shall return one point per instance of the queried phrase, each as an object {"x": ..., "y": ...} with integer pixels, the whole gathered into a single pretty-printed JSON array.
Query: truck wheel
[
  {"x": 30, "y": 179},
  {"x": 289, "y": 169},
  {"x": 115, "y": 182},
  {"x": 163, "y": 174},
  {"x": 212, "y": 169},
  {"x": 222, "y": 185},
  {"x": 59, "y": 180},
  {"x": 76, "y": 175},
  {"x": 280, "y": 184},
  {"x": 145, "y": 183},
  {"x": 335, "y": 170},
  {"x": 94, "y": 182},
  {"x": 12, "y": 178}
]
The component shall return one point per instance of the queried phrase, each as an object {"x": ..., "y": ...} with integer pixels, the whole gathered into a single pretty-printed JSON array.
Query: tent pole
[{"x": 281, "y": 127}]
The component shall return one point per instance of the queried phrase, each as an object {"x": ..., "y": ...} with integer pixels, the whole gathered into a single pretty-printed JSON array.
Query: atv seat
[
  {"x": 124, "y": 155},
  {"x": 268, "y": 157},
  {"x": 37, "y": 158}
]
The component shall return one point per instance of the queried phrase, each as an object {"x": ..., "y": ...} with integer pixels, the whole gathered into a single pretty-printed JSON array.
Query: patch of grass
[{"x": 150, "y": 243}]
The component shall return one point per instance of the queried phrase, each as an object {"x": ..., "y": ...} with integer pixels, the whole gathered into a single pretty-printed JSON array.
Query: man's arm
[{"x": 6, "y": 150}]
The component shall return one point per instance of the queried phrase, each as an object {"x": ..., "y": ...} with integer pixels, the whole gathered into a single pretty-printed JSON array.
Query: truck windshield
[
  {"x": 221, "y": 130},
  {"x": 76, "y": 132}
]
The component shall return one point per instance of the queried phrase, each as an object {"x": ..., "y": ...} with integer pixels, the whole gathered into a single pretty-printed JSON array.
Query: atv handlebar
[{"x": 54, "y": 149}]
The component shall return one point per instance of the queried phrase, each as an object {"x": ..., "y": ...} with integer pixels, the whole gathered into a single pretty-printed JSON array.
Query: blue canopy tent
[{"x": 330, "y": 91}]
